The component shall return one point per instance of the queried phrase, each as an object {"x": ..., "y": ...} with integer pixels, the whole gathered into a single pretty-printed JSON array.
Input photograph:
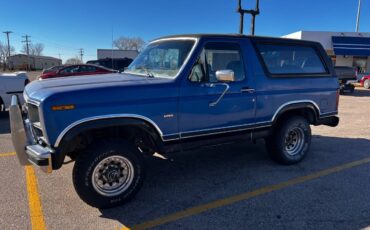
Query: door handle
[
  {"x": 227, "y": 87},
  {"x": 247, "y": 90}
]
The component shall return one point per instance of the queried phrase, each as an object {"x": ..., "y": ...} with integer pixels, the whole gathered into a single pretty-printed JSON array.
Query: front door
[{"x": 218, "y": 97}]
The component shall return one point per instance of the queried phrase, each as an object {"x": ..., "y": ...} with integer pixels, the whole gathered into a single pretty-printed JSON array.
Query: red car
[
  {"x": 365, "y": 82},
  {"x": 76, "y": 70}
]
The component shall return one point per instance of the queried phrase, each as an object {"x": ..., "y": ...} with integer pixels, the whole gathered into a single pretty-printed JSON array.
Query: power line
[
  {"x": 7, "y": 37},
  {"x": 27, "y": 41},
  {"x": 81, "y": 51}
]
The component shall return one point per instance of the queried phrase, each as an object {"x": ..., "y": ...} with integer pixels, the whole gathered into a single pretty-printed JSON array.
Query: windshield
[{"x": 161, "y": 59}]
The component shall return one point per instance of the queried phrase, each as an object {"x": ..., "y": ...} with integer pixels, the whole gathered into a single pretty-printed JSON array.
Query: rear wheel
[
  {"x": 367, "y": 84},
  {"x": 108, "y": 174},
  {"x": 290, "y": 142}
]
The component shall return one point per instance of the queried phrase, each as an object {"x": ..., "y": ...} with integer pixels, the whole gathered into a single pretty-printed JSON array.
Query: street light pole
[
  {"x": 253, "y": 12},
  {"x": 358, "y": 16}
]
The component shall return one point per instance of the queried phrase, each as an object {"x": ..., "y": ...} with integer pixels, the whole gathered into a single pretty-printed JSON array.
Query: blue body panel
[
  {"x": 236, "y": 109},
  {"x": 118, "y": 94},
  {"x": 178, "y": 107}
]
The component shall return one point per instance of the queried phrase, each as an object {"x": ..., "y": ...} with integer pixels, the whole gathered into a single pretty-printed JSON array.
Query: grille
[
  {"x": 33, "y": 113},
  {"x": 34, "y": 118}
]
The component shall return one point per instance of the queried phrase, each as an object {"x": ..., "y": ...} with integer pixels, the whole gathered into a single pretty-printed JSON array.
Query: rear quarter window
[{"x": 281, "y": 59}]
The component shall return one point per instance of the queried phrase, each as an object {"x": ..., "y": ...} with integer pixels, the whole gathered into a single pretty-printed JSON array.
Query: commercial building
[
  {"x": 345, "y": 48},
  {"x": 114, "y": 53},
  {"x": 21, "y": 61}
]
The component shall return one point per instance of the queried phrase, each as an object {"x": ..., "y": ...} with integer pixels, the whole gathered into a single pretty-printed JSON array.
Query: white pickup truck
[{"x": 11, "y": 83}]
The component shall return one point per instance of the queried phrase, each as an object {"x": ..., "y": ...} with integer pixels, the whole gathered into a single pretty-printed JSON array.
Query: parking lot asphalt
[{"x": 229, "y": 187}]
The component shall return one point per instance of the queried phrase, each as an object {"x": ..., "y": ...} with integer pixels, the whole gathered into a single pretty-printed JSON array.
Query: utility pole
[
  {"x": 253, "y": 12},
  {"x": 27, "y": 41},
  {"x": 7, "y": 37},
  {"x": 358, "y": 16},
  {"x": 81, "y": 54}
]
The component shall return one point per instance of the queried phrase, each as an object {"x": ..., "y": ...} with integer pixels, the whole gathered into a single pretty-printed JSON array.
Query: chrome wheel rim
[
  {"x": 367, "y": 84},
  {"x": 112, "y": 175},
  {"x": 294, "y": 141}
]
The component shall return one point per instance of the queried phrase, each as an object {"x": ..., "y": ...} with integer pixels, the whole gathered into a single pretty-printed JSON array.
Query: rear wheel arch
[
  {"x": 81, "y": 135},
  {"x": 307, "y": 110}
]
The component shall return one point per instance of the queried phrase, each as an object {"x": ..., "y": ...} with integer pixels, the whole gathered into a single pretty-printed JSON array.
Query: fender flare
[
  {"x": 291, "y": 106},
  {"x": 76, "y": 128}
]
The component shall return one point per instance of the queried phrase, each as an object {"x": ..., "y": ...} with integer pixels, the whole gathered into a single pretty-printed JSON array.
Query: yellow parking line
[
  {"x": 36, "y": 215},
  {"x": 125, "y": 228},
  {"x": 7, "y": 154},
  {"x": 248, "y": 195}
]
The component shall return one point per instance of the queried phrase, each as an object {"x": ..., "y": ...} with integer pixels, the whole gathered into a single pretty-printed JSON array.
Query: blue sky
[{"x": 65, "y": 26}]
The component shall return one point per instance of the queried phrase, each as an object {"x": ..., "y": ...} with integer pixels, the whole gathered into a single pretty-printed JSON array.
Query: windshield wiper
[{"x": 148, "y": 73}]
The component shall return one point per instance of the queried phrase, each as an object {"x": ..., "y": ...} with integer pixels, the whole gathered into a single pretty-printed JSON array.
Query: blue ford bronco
[{"x": 181, "y": 92}]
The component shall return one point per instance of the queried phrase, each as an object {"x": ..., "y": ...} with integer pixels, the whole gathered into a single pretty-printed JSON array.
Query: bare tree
[
  {"x": 34, "y": 49},
  {"x": 73, "y": 61},
  {"x": 37, "y": 49},
  {"x": 4, "y": 54},
  {"x": 4, "y": 50},
  {"x": 129, "y": 43}
]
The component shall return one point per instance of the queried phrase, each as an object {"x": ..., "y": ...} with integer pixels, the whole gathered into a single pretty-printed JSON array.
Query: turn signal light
[{"x": 62, "y": 107}]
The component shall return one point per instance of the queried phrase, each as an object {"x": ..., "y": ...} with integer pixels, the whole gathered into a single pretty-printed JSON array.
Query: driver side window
[{"x": 216, "y": 59}]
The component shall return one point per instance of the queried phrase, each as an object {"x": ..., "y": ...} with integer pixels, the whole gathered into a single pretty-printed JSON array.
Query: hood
[{"x": 40, "y": 89}]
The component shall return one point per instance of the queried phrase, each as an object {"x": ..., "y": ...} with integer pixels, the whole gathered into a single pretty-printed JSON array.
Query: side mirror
[{"x": 225, "y": 75}]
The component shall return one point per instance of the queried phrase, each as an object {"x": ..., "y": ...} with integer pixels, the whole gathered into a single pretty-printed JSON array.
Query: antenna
[{"x": 253, "y": 12}]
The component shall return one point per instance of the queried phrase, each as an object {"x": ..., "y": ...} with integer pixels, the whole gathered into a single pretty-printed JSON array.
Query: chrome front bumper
[{"x": 26, "y": 147}]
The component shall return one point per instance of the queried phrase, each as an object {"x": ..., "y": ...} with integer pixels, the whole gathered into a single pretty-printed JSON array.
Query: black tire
[
  {"x": 95, "y": 162},
  {"x": 2, "y": 106},
  {"x": 290, "y": 142},
  {"x": 367, "y": 84}
]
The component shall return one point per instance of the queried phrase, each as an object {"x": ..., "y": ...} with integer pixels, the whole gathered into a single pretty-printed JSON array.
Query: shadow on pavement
[
  {"x": 358, "y": 93},
  {"x": 4, "y": 123},
  {"x": 202, "y": 176}
]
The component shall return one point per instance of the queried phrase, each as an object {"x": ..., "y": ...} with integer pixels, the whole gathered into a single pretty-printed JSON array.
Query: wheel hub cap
[
  {"x": 294, "y": 141},
  {"x": 113, "y": 175}
]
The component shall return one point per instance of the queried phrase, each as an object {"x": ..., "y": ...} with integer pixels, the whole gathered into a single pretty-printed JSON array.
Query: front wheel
[
  {"x": 108, "y": 174},
  {"x": 290, "y": 142},
  {"x": 2, "y": 106}
]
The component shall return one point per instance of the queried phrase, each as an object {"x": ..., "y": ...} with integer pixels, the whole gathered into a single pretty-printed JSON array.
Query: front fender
[{"x": 63, "y": 146}]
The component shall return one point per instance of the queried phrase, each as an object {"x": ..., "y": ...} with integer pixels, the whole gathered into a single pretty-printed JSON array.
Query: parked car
[
  {"x": 76, "y": 70},
  {"x": 11, "y": 83},
  {"x": 180, "y": 93},
  {"x": 113, "y": 63},
  {"x": 346, "y": 76},
  {"x": 365, "y": 82},
  {"x": 53, "y": 69}
]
